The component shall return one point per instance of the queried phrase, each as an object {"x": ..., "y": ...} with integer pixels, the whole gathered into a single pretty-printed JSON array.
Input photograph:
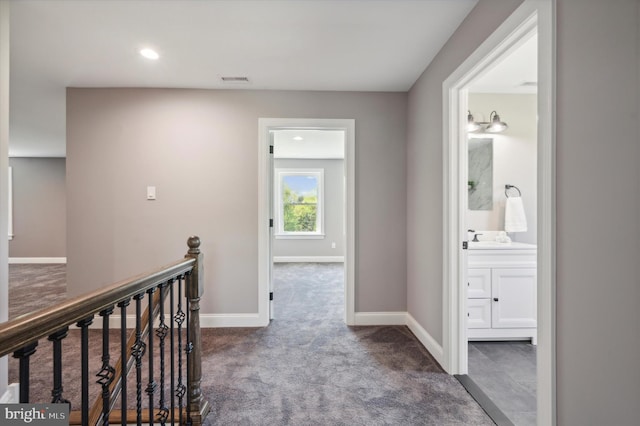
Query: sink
[{"x": 494, "y": 245}]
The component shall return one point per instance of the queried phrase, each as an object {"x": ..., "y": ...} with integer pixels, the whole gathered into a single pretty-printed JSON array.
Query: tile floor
[{"x": 506, "y": 372}]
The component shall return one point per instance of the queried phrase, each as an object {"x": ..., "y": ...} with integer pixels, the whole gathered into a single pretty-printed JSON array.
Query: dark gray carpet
[{"x": 307, "y": 367}]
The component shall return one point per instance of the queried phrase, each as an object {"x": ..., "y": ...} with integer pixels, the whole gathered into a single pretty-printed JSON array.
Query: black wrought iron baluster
[
  {"x": 138, "y": 351},
  {"x": 161, "y": 332},
  {"x": 23, "y": 356},
  {"x": 172, "y": 356},
  {"x": 107, "y": 373},
  {"x": 179, "y": 318},
  {"x": 56, "y": 392},
  {"x": 84, "y": 353},
  {"x": 187, "y": 350},
  {"x": 123, "y": 360},
  {"x": 151, "y": 386}
]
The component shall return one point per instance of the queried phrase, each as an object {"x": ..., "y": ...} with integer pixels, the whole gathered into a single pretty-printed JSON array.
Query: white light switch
[{"x": 151, "y": 192}]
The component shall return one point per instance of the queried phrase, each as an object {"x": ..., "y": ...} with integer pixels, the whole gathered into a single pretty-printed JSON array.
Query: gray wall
[
  {"x": 598, "y": 202},
  {"x": 333, "y": 212},
  {"x": 424, "y": 164},
  {"x": 199, "y": 148},
  {"x": 598, "y": 213},
  {"x": 39, "y": 207},
  {"x": 4, "y": 164}
]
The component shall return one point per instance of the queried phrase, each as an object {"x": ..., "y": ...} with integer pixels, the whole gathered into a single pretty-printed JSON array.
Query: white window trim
[{"x": 280, "y": 233}]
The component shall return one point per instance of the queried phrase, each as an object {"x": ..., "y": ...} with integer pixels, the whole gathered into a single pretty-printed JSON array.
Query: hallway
[{"x": 307, "y": 367}]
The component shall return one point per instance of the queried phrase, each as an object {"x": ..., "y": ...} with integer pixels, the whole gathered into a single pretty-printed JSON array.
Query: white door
[
  {"x": 271, "y": 225},
  {"x": 514, "y": 303}
]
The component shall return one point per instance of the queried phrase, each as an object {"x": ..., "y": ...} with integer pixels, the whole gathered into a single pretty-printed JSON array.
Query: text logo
[{"x": 34, "y": 414}]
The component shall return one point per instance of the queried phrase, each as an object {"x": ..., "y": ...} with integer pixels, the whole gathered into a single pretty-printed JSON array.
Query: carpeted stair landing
[{"x": 307, "y": 367}]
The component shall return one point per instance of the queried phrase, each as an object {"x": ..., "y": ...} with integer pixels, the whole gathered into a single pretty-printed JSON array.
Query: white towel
[{"x": 514, "y": 217}]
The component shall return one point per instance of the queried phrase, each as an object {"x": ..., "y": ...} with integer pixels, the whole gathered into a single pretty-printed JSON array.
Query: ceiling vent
[{"x": 243, "y": 80}]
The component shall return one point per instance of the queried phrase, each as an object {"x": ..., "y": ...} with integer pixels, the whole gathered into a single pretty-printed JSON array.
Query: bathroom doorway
[
  {"x": 501, "y": 218},
  {"x": 532, "y": 17}
]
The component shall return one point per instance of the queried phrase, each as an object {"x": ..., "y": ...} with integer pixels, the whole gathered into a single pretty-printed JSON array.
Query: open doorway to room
[
  {"x": 308, "y": 238},
  {"x": 306, "y": 209},
  {"x": 530, "y": 19},
  {"x": 501, "y": 220}
]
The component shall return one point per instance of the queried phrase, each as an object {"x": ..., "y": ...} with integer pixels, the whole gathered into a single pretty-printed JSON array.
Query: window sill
[{"x": 299, "y": 236}]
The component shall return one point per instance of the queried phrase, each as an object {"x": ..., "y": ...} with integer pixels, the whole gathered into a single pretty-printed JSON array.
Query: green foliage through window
[{"x": 300, "y": 209}]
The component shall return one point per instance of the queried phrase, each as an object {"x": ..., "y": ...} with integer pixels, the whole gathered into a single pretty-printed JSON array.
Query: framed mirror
[{"x": 480, "y": 175}]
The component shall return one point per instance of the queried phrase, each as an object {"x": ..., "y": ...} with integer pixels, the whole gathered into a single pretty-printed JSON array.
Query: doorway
[
  {"x": 501, "y": 259},
  {"x": 531, "y": 17},
  {"x": 308, "y": 225},
  {"x": 311, "y": 228}
]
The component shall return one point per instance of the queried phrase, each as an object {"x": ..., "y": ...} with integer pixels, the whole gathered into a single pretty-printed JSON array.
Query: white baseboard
[
  {"x": 380, "y": 318},
  {"x": 308, "y": 259},
  {"x": 229, "y": 320},
  {"x": 426, "y": 339},
  {"x": 12, "y": 394},
  {"x": 13, "y": 260}
]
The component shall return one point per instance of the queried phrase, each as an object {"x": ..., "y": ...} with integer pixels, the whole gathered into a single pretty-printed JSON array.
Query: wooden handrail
[
  {"x": 21, "y": 335},
  {"x": 37, "y": 325}
]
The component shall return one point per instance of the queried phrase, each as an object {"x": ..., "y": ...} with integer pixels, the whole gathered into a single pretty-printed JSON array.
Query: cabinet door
[
  {"x": 479, "y": 313},
  {"x": 478, "y": 283},
  {"x": 513, "y": 298}
]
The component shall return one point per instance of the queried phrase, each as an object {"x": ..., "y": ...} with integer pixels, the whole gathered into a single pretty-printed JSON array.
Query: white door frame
[
  {"x": 532, "y": 15},
  {"x": 265, "y": 178}
]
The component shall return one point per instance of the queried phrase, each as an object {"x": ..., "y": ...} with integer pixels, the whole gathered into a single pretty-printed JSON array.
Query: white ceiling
[
  {"x": 353, "y": 45},
  {"x": 308, "y": 143},
  {"x": 517, "y": 73}
]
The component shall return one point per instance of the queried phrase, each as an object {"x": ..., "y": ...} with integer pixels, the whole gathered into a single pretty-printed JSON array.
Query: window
[{"x": 299, "y": 203}]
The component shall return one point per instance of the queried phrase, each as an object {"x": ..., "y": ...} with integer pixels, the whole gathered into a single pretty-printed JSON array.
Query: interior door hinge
[
  {"x": 465, "y": 245},
  {"x": 270, "y": 149},
  {"x": 270, "y": 223},
  {"x": 270, "y": 296}
]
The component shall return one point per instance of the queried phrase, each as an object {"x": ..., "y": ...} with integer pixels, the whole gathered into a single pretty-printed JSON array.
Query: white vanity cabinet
[{"x": 501, "y": 292}]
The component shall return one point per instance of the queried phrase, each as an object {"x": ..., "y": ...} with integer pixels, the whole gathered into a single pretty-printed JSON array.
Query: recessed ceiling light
[
  {"x": 149, "y": 53},
  {"x": 298, "y": 138}
]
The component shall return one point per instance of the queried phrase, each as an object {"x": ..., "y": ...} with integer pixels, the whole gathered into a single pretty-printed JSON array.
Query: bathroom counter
[{"x": 494, "y": 245}]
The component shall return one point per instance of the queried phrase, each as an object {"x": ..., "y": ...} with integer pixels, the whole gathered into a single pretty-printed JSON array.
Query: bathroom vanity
[{"x": 501, "y": 292}]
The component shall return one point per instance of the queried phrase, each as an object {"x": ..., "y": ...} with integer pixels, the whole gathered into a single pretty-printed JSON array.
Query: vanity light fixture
[
  {"x": 494, "y": 125},
  {"x": 472, "y": 126}
]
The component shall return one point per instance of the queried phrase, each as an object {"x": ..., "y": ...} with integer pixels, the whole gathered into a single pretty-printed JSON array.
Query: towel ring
[{"x": 508, "y": 187}]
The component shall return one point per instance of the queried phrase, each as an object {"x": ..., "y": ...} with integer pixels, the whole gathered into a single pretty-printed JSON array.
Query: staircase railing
[{"x": 173, "y": 392}]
